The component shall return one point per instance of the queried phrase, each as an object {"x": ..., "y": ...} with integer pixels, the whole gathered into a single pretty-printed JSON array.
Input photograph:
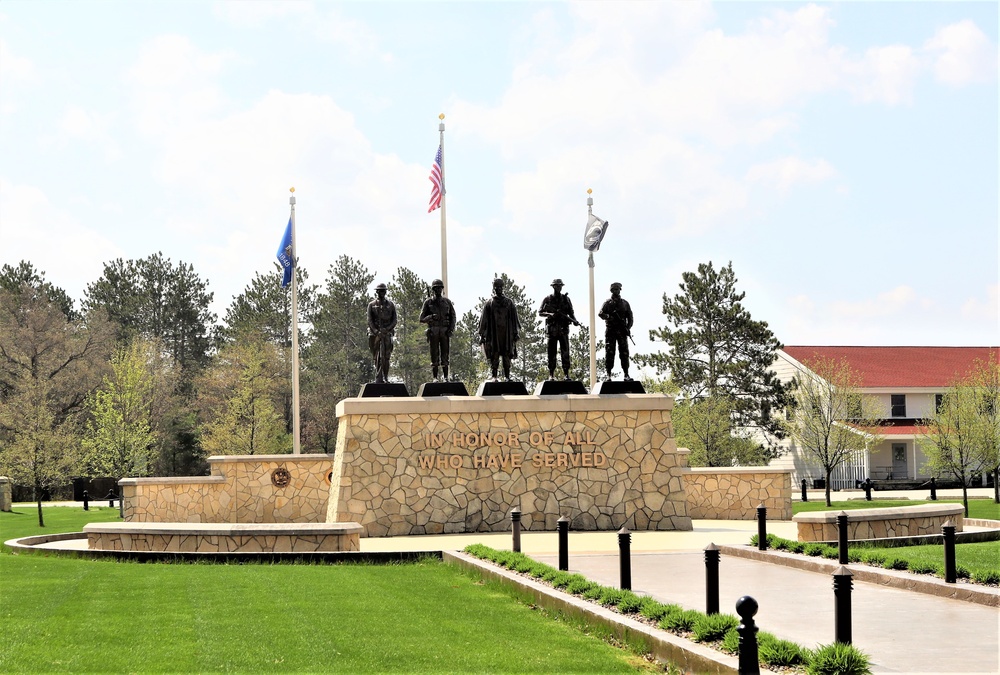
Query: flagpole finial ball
[
  {"x": 441, "y": 116},
  {"x": 589, "y": 191},
  {"x": 291, "y": 189}
]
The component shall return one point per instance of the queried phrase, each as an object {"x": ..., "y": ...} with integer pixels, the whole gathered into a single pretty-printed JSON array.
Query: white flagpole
[
  {"x": 296, "y": 445},
  {"x": 444, "y": 229},
  {"x": 593, "y": 333}
]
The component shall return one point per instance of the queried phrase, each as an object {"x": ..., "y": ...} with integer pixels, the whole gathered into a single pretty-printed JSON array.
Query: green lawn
[
  {"x": 71, "y": 615},
  {"x": 978, "y": 508}
]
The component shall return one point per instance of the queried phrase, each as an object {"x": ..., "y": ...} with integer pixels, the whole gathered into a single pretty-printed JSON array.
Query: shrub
[
  {"x": 550, "y": 574},
  {"x": 594, "y": 592},
  {"x": 680, "y": 620},
  {"x": 853, "y": 556},
  {"x": 610, "y": 596},
  {"x": 895, "y": 564},
  {"x": 523, "y": 565},
  {"x": 561, "y": 579},
  {"x": 988, "y": 577},
  {"x": 922, "y": 568},
  {"x": 796, "y": 547},
  {"x": 538, "y": 570},
  {"x": 629, "y": 603},
  {"x": 831, "y": 553},
  {"x": 838, "y": 659},
  {"x": 731, "y": 641},
  {"x": 779, "y": 653},
  {"x": 814, "y": 549},
  {"x": 653, "y": 609},
  {"x": 873, "y": 557},
  {"x": 711, "y": 627},
  {"x": 579, "y": 585},
  {"x": 781, "y": 544},
  {"x": 962, "y": 572}
]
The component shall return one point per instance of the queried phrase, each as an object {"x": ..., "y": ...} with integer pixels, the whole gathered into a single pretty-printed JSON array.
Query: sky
[{"x": 842, "y": 156}]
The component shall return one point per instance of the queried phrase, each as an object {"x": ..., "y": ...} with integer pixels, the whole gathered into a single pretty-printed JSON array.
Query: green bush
[
  {"x": 814, "y": 549},
  {"x": 594, "y": 592},
  {"x": 796, "y": 547},
  {"x": 523, "y": 565},
  {"x": 988, "y": 577},
  {"x": 838, "y": 659},
  {"x": 610, "y": 597},
  {"x": 962, "y": 572},
  {"x": 780, "y": 543},
  {"x": 779, "y": 653},
  {"x": 629, "y": 603},
  {"x": 873, "y": 557},
  {"x": 922, "y": 568},
  {"x": 561, "y": 579},
  {"x": 653, "y": 609},
  {"x": 853, "y": 556},
  {"x": 680, "y": 620},
  {"x": 712, "y": 627},
  {"x": 731, "y": 641},
  {"x": 550, "y": 574},
  {"x": 895, "y": 564},
  {"x": 831, "y": 553},
  {"x": 579, "y": 586}
]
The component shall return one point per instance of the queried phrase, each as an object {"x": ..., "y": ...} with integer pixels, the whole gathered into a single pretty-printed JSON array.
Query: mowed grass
[
  {"x": 978, "y": 508},
  {"x": 74, "y": 615}
]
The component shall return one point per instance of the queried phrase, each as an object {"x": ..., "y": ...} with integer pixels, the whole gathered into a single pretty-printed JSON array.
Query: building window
[
  {"x": 898, "y": 403},
  {"x": 938, "y": 402}
]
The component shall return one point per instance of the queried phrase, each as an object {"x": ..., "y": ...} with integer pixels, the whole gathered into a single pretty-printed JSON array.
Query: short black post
[
  {"x": 562, "y": 527},
  {"x": 111, "y": 498},
  {"x": 625, "y": 558},
  {"x": 712, "y": 579},
  {"x": 746, "y": 607},
  {"x": 950, "y": 569},
  {"x": 842, "y": 585},
  {"x": 842, "y": 538},
  {"x": 121, "y": 503},
  {"x": 86, "y": 501},
  {"x": 805, "y": 495},
  {"x": 933, "y": 490},
  {"x": 515, "y": 526},
  {"x": 867, "y": 485},
  {"x": 761, "y": 528}
]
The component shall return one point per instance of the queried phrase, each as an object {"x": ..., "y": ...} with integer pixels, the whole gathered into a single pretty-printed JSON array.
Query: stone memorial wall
[
  {"x": 444, "y": 465},
  {"x": 716, "y": 493}
]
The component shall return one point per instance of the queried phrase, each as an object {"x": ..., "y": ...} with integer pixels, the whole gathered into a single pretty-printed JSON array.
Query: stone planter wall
[
  {"x": 5, "y": 493},
  {"x": 224, "y": 537},
  {"x": 715, "y": 493},
  {"x": 900, "y": 521},
  {"x": 241, "y": 489},
  {"x": 445, "y": 465}
]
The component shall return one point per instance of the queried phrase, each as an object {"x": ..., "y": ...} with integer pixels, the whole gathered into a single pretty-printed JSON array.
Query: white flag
[{"x": 594, "y": 234}]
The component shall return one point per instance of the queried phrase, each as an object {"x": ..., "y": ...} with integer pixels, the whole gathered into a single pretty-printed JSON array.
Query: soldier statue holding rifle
[
  {"x": 617, "y": 315},
  {"x": 438, "y": 313},
  {"x": 381, "y": 328},
  {"x": 558, "y": 312}
]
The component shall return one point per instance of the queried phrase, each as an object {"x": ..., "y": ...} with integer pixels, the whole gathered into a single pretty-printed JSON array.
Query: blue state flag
[{"x": 286, "y": 255}]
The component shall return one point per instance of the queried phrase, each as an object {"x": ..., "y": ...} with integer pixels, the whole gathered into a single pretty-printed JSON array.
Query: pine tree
[{"x": 411, "y": 361}]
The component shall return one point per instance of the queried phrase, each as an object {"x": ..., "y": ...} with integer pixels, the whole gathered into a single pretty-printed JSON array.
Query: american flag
[{"x": 435, "y": 178}]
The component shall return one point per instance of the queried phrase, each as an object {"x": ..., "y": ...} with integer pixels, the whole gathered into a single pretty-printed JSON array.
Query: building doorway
[{"x": 899, "y": 471}]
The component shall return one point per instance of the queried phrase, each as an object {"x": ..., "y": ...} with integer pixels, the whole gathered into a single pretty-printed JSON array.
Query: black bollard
[
  {"x": 950, "y": 569},
  {"x": 842, "y": 538},
  {"x": 746, "y": 607},
  {"x": 625, "y": 559},
  {"x": 711, "y": 579},
  {"x": 842, "y": 584},
  {"x": 933, "y": 490},
  {"x": 867, "y": 485},
  {"x": 562, "y": 527},
  {"x": 515, "y": 526},
  {"x": 111, "y": 498},
  {"x": 121, "y": 503},
  {"x": 805, "y": 495},
  {"x": 86, "y": 501},
  {"x": 761, "y": 528}
]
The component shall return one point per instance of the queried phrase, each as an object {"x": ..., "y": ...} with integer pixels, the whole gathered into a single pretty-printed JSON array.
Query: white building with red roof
[{"x": 908, "y": 383}]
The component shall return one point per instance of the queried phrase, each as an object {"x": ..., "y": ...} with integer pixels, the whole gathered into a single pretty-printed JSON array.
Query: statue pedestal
[
  {"x": 497, "y": 388},
  {"x": 620, "y": 387},
  {"x": 439, "y": 465},
  {"x": 380, "y": 389},
  {"x": 442, "y": 389},
  {"x": 560, "y": 388}
]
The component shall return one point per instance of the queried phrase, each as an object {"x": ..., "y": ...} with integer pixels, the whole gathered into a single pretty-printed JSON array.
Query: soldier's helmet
[
  {"x": 557, "y": 282},
  {"x": 616, "y": 287},
  {"x": 437, "y": 283},
  {"x": 381, "y": 287}
]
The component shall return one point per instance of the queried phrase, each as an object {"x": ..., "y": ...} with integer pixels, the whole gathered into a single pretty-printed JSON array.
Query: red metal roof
[{"x": 900, "y": 366}]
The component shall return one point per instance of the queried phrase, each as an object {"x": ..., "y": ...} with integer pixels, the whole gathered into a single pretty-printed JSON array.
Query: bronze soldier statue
[
  {"x": 438, "y": 313},
  {"x": 617, "y": 314},
  {"x": 558, "y": 312},
  {"x": 381, "y": 328},
  {"x": 499, "y": 330}
]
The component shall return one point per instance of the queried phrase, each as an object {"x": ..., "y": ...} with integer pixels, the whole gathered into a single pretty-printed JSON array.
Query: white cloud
[
  {"x": 79, "y": 124},
  {"x": 962, "y": 54},
  {"x": 886, "y": 75},
  {"x": 782, "y": 174},
  {"x": 984, "y": 309},
  {"x": 14, "y": 67},
  {"x": 883, "y": 306},
  {"x": 69, "y": 253},
  {"x": 259, "y": 12}
]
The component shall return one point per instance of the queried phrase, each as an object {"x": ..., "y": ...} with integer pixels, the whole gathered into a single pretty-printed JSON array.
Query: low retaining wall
[
  {"x": 715, "y": 493},
  {"x": 5, "y": 493},
  {"x": 241, "y": 489},
  {"x": 224, "y": 538},
  {"x": 901, "y": 521}
]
